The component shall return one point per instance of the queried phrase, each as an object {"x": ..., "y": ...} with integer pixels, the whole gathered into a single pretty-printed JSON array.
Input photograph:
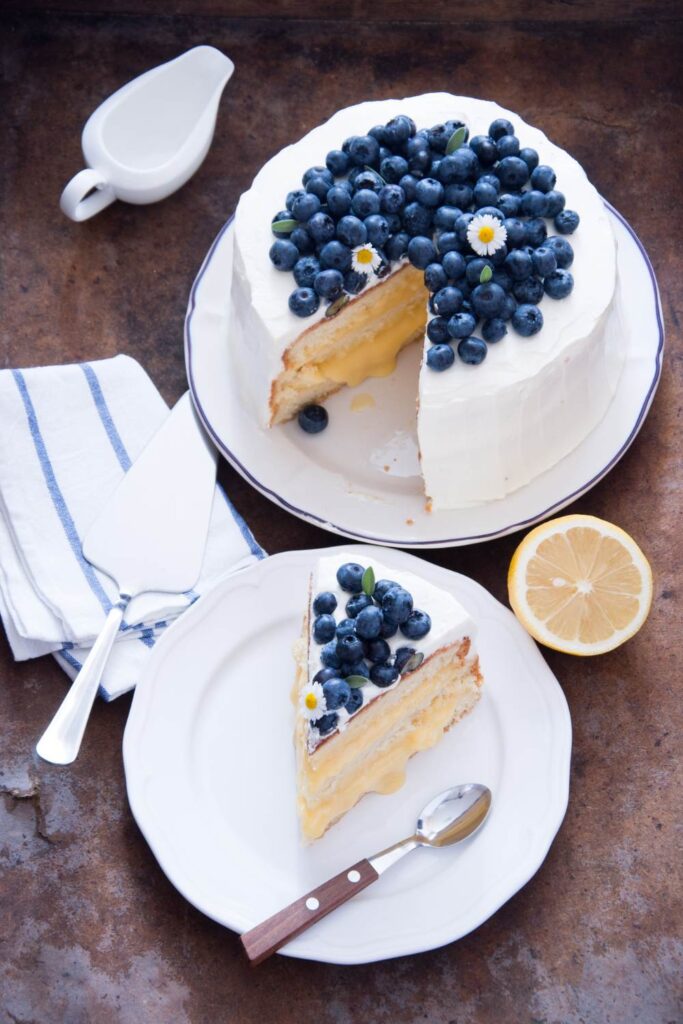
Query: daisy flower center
[
  {"x": 486, "y": 234},
  {"x": 364, "y": 256},
  {"x": 311, "y": 701}
]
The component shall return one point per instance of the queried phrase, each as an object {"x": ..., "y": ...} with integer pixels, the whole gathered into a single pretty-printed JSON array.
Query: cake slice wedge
[{"x": 386, "y": 663}]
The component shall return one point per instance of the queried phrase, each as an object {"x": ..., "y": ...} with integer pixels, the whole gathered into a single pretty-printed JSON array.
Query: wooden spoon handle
[{"x": 263, "y": 940}]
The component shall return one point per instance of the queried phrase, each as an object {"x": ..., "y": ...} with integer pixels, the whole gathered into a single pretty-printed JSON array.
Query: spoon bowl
[{"x": 453, "y": 815}]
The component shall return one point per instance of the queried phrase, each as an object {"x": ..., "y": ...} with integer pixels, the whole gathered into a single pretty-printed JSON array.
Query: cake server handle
[{"x": 266, "y": 938}]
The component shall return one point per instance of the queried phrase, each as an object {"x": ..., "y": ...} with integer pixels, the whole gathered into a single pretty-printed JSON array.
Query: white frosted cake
[
  {"x": 483, "y": 430},
  {"x": 370, "y": 691}
]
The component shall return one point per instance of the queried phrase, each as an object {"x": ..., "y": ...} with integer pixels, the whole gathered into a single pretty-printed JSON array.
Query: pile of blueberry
[
  {"x": 413, "y": 194},
  {"x": 355, "y": 650}
]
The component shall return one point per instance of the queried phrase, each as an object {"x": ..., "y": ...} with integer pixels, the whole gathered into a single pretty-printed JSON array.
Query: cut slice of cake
[{"x": 385, "y": 664}]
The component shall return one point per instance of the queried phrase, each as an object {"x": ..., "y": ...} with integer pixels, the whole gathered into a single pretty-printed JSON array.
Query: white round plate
[
  {"x": 210, "y": 773},
  {"x": 361, "y": 477}
]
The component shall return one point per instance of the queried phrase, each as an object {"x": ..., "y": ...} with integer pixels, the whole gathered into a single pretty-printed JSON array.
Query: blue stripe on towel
[
  {"x": 247, "y": 535},
  {"x": 58, "y": 501},
  {"x": 104, "y": 414}
]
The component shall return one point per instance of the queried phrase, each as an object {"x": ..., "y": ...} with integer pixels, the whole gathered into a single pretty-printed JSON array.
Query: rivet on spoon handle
[{"x": 263, "y": 940}]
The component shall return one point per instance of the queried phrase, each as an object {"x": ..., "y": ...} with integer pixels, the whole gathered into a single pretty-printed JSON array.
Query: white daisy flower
[
  {"x": 313, "y": 703},
  {"x": 486, "y": 234},
  {"x": 365, "y": 258}
]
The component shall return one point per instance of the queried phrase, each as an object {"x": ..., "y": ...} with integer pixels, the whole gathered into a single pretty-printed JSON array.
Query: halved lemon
[{"x": 580, "y": 585}]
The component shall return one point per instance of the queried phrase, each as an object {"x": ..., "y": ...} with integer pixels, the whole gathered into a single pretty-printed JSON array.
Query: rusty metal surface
[{"x": 90, "y": 929}]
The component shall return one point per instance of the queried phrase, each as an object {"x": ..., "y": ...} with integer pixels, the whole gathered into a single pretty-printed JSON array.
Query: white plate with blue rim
[
  {"x": 361, "y": 477},
  {"x": 210, "y": 772}
]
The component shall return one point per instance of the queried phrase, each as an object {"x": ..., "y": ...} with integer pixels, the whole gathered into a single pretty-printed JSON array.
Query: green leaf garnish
[
  {"x": 369, "y": 581},
  {"x": 456, "y": 140},
  {"x": 356, "y": 681},
  {"x": 282, "y": 227},
  {"x": 486, "y": 274},
  {"x": 338, "y": 304},
  {"x": 413, "y": 662}
]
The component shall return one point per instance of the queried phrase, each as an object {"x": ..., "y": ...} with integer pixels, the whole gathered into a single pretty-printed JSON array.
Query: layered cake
[
  {"x": 385, "y": 664},
  {"x": 449, "y": 222}
]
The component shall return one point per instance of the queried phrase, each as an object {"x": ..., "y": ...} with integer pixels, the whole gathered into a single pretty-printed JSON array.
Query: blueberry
[
  {"x": 392, "y": 198},
  {"x": 382, "y": 587},
  {"x": 445, "y": 217},
  {"x": 448, "y": 241},
  {"x": 440, "y": 135},
  {"x": 397, "y": 604},
  {"x": 489, "y": 178},
  {"x": 335, "y": 256},
  {"x": 419, "y": 157},
  {"x": 355, "y": 668},
  {"x": 282, "y": 232},
  {"x": 509, "y": 308},
  {"x": 366, "y": 178},
  {"x": 318, "y": 187},
  {"x": 493, "y": 330},
  {"x": 458, "y": 195},
  {"x": 336, "y": 692},
  {"x": 321, "y": 228},
  {"x": 291, "y": 196},
  {"x": 435, "y": 276},
  {"x": 394, "y": 222},
  {"x": 509, "y": 204},
  {"x": 421, "y": 251},
  {"x": 544, "y": 261},
  {"x": 369, "y": 622},
  {"x": 304, "y": 302},
  {"x": 533, "y": 204},
  {"x": 312, "y": 418},
  {"x": 528, "y": 290},
  {"x": 377, "y": 650},
  {"x": 536, "y": 231},
  {"x": 518, "y": 264},
  {"x": 379, "y": 132},
  {"x": 558, "y": 284},
  {"x": 492, "y": 211},
  {"x": 329, "y": 656},
  {"x": 346, "y": 626},
  {"x": 448, "y": 301},
  {"x": 364, "y": 151},
  {"x": 325, "y": 603},
  {"x": 388, "y": 629},
  {"x": 472, "y": 350},
  {"x": 324, "y": 628},
  {"x": 462, "y": 224},
  {"x": 474, "y": 269},
  {"x": 484, "y": 194},
  {"x": 566, "y": 221},
  {"x": 305, "y": 206},
  {"x": 352, "y": 231},
  {"x": 527, "y": 320},
  {"x": 323, "y": 674},
  {"x": 365, "y": 203},
  {"x": 402, "y": 657},
  {"x": 453, "y": 264},
  {"x": 399, "y": 129},
  {"x": 337, "y": 162},
  {"x": 487, "y": 300},
  {"x": 383, "y": 675},
  {"x": 349, "y": 648},
  {"x": 392, "y": 169},
  {"x": 354, "y": 282},
  {"x": 501, "y": 126},
  {"x": 417, "y": 219},
  {"x": 461, "y": 325},
  {"x": 516, "y": 230},
  {"x": 397, "y": 245},
  {"x": 338, "y": 201},
  {"x": 485, "y": 149},
  {"x": 507, "y": 145},
  {"x": 302, "y": 240},
  {"x": 377, "y": 228},
  {"x": 356, "y": 604},
  {"x": 498, "y": 257},
  {"x": 530, "y": 157},
  {"x": 408, "y": 183},
  {"x": 429, "y": 192},
  {"x": 459, "y": 168},
  {"x": 437, "y": 331},
  {"x": 326, "y": 723},
  {"x": 416, "y": 625},
  {"x": 350, "y": 577},
  {"x": 564, "y": 254},
  {"x": 355, "y": 700},
  {"x": 513, "y": 172},
  {"x": 440, "y": 357},
  {"x": 329, "y": 284},
  {"x": 501, "y": 277},
  {"x": 543, "y": 178},
  {"x": 283, "y": 254},
  {"x": 317, "y": 172}
]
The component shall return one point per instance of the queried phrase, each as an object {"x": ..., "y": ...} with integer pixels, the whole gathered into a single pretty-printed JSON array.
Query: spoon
[{"x": 450, "y": 817}]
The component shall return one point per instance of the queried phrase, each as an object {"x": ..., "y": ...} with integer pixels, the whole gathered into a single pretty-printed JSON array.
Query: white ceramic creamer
[{"x": 150, "y": 136}]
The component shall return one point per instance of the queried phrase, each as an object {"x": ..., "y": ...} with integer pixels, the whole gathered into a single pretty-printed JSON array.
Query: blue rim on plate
[{"x": 325, "y": 523}]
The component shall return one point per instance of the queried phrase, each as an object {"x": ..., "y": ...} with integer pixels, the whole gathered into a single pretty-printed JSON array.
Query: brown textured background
[{"x": 90, "y": 929}]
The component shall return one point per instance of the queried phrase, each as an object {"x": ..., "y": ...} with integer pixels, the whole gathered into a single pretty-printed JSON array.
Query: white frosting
[
  {"x": 483, "y": 430},
  {"x": 450, "y": 621}
]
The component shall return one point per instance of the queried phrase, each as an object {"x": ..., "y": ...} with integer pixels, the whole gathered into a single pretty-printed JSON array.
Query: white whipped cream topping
[
  {"x": 450, "y": 621},
  {"x": 483, "y": 430}
]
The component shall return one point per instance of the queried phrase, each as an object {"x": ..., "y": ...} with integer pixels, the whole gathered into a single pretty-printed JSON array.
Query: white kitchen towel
[{"x": 67, "y": 436}]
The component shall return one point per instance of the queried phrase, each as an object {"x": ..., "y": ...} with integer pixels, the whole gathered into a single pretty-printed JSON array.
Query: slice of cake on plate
[{"x": 385, "y": 664}]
